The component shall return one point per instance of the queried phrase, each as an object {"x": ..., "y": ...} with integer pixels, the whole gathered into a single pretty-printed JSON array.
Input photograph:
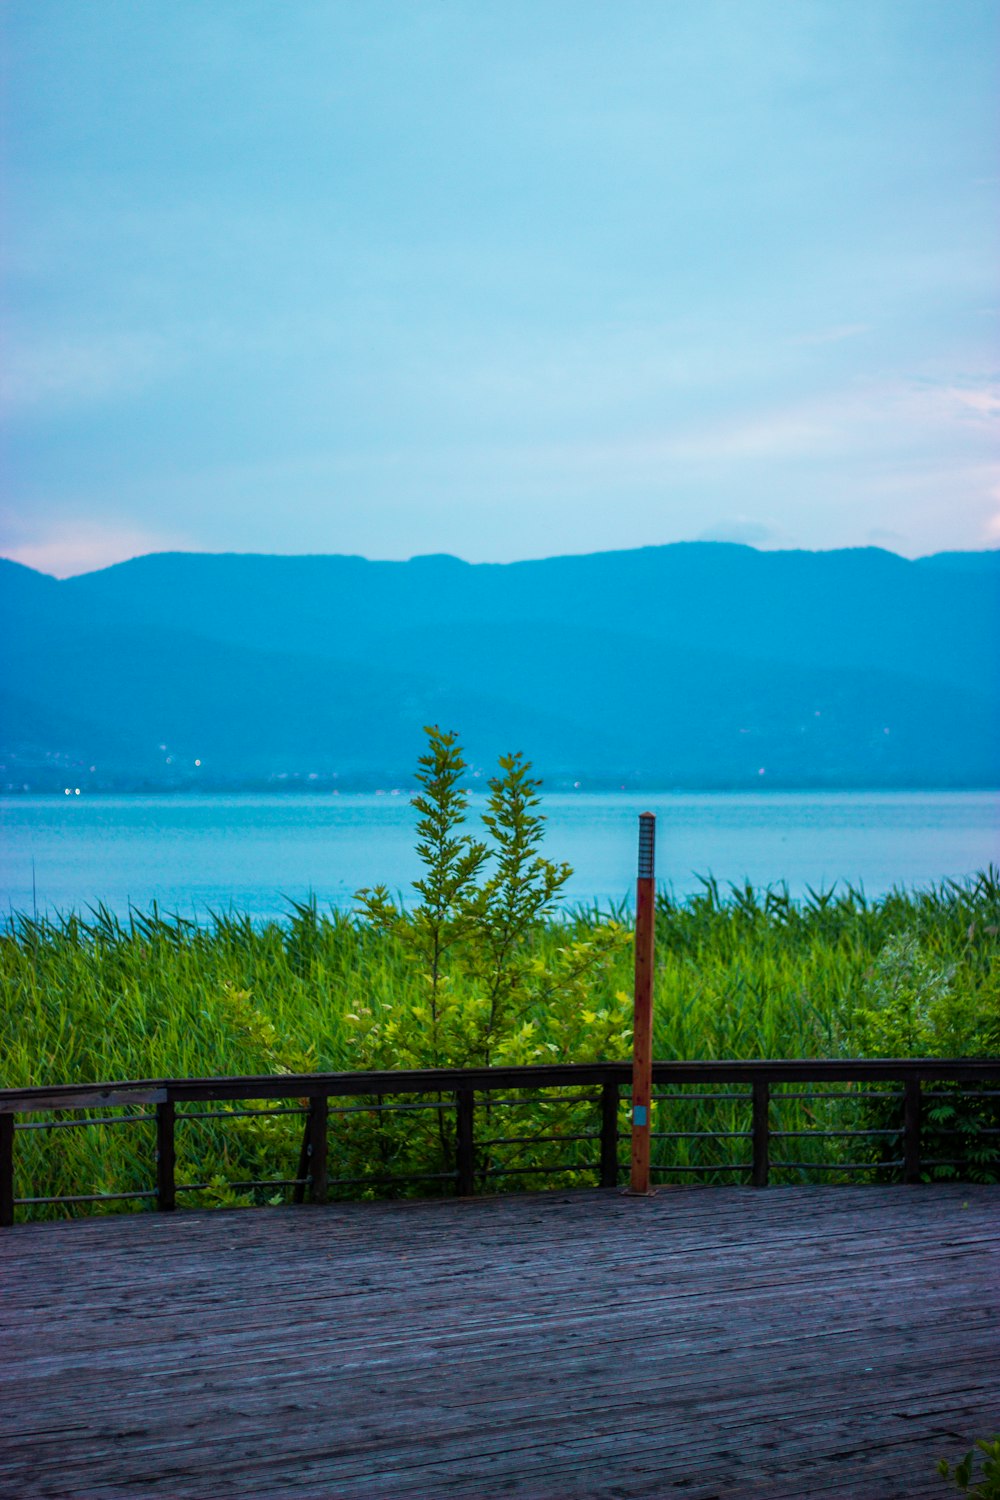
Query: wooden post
[
  {"x": 911, "y": 1130},
  {"x": 761, "y": 1132},
  {"x": 465, "y": 1147},
  {"x": 642, "y": 1023},
  {"x": 299, "y": 1190},
  {"x": 166, "y": 1191},
  {"x": 316, "y": 1124},
  {"x": 609, "y": 1134},
  {"x": 6, "y": 1171}
]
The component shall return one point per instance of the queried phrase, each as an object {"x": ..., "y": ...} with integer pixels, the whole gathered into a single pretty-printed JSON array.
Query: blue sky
[{"x": 503, "y": 280}]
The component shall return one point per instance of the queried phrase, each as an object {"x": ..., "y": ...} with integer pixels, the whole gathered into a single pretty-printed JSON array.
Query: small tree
[
  {"x": 520, "y": 893},
  {"x": 449, "y": 909},
  {"x": 494, "y": 985},
  {"x": 485, "y": 986}
]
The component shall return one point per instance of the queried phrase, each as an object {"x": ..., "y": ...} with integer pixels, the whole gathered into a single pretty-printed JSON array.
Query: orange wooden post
[{"x": 642, "y": 1025}]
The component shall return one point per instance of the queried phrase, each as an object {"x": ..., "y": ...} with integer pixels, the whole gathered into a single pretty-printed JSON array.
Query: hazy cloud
[
  {"x": 979, "y": 401},
  {"x": 880, "y": 537},
  {"x": 55, "y": 372},
  {"x": 740, "y": 529},
  {"x": 831, "y": 335},
  {"x": 83, "y": 547}
]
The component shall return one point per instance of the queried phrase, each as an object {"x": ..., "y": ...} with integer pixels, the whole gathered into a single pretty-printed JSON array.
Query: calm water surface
[{"x": 195, "y": 854}]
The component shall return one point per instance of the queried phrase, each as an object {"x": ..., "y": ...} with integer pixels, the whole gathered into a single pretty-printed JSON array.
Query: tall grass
[{"x": 740, "y": 974}]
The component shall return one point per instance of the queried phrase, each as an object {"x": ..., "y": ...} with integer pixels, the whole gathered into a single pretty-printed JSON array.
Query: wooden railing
[{"x": 474, "y": 1093}]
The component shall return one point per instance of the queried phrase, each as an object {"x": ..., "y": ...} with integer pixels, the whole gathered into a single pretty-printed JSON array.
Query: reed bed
[{"x": 740, "y": 974}]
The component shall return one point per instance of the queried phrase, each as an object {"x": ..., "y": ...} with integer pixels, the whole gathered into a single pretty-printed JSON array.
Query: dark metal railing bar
[
  {"x": 842, "y": 1166},
  {"x": 410, "y": 1177},
  {"x": 847, "y": 1095},
  {"x": 199, "y": 1187},
  {"x": 820, "y": 1135},
  {"x": 707, "y": 1135},
  {"x": 954, "y": 1161},
  {"x": 538, "y": 1099},
  {"x": 89, "y": 1197},
  {"x": 594, "y": 1167},
  {"x": 966, "y": 1093},
  {"x": 970, "y": 1130},
  {"x": 81, "y": 1124},
  {"x": 384, "y": 1109},
  {"x": 536, "y": 1140},
  {"x": 693, "y": 1098},
  {"x": 743, "y": 1166},
  {"x": 265, "y": 1182},
  {"x": 239, "y": 1114}
]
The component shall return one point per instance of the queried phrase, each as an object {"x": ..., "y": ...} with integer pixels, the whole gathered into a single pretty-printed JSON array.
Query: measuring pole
[{"x": 642, "y": 1024}]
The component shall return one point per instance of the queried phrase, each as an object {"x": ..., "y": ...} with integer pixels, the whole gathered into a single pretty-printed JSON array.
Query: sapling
[
  {"x": 448, "y": 912},
  {"x": 519, "y": 894},
  {"x": 472, "y": 937}
]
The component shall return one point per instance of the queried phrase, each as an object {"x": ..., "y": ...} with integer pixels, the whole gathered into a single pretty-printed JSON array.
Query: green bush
[{"x": 988, "y": 1487}]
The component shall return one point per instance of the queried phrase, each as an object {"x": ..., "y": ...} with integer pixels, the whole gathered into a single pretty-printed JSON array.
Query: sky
[{"x": 394, "y": 277}]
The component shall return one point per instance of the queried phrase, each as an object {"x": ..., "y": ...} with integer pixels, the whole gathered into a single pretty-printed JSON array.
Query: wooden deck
[{"x": 714, "y": 1342}]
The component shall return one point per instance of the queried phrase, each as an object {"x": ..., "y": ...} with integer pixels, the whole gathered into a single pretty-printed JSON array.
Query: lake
[{"x": 255, "y": 853}]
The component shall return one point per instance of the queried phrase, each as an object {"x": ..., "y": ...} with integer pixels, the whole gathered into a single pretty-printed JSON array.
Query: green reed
[{"x": 740, "y": 974}]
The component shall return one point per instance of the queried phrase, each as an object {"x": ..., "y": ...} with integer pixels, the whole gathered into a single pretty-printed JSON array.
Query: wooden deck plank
[{"x": 820, "y": 1340}]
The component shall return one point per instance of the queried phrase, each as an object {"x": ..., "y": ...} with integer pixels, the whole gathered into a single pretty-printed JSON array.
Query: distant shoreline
[{"x": 562, "y": 787}]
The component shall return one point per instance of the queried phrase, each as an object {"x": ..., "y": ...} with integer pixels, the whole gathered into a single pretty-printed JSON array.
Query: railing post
[
  {"x": 642, "y": 1019},
  {"x": 465, "y": 1150},
  {"x": 6, "y": 1171},
  {"x": 166, "y": 1191},
  {"x": 609, "y": 1134},
  {"x": 911, "y": 1130},
  {"x": 317, "y": 1122},
  {"x": 761, "y": 1132},
  {"x": 299, "y": 1190}
]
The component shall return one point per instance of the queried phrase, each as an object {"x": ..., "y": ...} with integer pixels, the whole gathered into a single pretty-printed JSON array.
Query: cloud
[
  {"x": 740, "y": 529},
  {"x": 881, "y": 536},
  {"x": 85, "y": 546},
  {"x": 831, "y": 335},
  {"x": 979, "y": 401},
  {"x": 68, "y": 371}
]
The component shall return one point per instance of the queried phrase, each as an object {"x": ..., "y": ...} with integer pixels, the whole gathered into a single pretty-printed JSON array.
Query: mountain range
[{"x": 695, "y": 665}]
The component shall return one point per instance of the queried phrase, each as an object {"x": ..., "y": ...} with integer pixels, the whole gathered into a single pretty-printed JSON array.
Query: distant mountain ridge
[{"x": 693, "y": 665}]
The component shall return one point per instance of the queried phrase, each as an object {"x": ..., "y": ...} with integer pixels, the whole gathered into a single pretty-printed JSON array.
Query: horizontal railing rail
[{"x": 465, "y": 1094}]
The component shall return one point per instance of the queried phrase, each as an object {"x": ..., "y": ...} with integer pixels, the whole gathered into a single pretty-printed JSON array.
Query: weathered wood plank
[{"x": 817, "y": 1341}]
